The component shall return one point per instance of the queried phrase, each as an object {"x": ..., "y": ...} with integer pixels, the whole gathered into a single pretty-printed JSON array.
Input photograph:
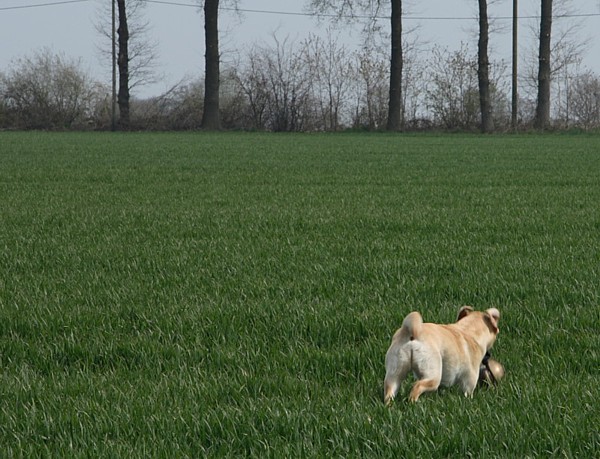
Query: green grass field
[{"x": 234, "y": 294}]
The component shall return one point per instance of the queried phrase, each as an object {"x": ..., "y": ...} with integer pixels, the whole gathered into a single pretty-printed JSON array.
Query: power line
[
  {"x": 408, "y": 17},
  {"x": 38, "y": 5},
  {"x": 241, "y": 10},
  {"x": 297, "y": 13}
]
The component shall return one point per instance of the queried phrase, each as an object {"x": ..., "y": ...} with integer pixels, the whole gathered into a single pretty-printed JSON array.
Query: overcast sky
[{"x": 68, "y": 27}]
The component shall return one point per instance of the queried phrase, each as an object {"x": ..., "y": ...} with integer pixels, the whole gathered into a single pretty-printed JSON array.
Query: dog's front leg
[{"x": 470, "y": 383}]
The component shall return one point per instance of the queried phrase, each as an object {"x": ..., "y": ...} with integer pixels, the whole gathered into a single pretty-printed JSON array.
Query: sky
[{"x": 67, "y": 27}]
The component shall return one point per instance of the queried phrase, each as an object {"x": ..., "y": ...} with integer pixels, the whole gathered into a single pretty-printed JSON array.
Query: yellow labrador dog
[{"x": 440, "y": 354}]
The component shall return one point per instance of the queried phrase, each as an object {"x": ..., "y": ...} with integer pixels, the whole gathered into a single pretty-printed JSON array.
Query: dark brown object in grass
[{"x": 490, "y": 372}]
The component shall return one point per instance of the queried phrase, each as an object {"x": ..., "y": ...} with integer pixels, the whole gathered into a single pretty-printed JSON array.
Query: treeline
[{"x": 314, "y": 85}]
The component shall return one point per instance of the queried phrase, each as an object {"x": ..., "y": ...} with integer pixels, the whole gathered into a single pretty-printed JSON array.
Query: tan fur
[{"x": 440, "y": 354}]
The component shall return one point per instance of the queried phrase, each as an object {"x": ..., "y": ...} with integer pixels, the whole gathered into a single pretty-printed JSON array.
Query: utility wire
[
  {"x": 408, "y": 17},
  {"x": 242, "y": 10},
  {"x": 322, "y": 15},
  {"x": 423, "y": 18},
  {"x": 38, "y": 5}
]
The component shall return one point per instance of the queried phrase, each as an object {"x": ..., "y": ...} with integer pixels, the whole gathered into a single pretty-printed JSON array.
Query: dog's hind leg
[
  {"x": 397, "y": 368},
  {"x": 390, "y": 387},
  {"x": 421, "y": 386},
  {"x": 427, "y": 366}
]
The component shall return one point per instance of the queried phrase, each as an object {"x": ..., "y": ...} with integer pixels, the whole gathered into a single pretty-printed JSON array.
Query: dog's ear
[
  {"x": 494, "y": 313},
  {"x": 464, "y": 312},
  {"x": 491, "y": 318}
]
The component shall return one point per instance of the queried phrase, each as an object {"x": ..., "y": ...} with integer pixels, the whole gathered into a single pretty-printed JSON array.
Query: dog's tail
[{"x": 412, "y": 325}]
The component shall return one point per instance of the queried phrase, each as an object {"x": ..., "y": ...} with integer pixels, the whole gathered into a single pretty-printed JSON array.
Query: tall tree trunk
[
  {"x": 394, "y": 122},
  {"x": 542, "y": 112},
  {"x": 483, "y": 70},
  {"x": 515, "y": 53},
  {"x": 210, "y": 117},
  {"x": 123, "y": 63}
]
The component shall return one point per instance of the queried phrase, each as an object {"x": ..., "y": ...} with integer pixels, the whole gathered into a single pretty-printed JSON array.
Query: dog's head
[{"x": 490, "y": 318}]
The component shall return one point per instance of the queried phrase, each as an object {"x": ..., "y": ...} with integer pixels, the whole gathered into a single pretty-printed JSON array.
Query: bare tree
[
  {"x": 277, "y": 84},
  {"x": 542, "y": 112},
  {"x": 394, "y": 122},
  {"x": 347, "y": 8},
  {"x": 452, "y": 92},
  {"x": 142, "y": 49},
  {"x": 210, "y": 117},
  {"x": 413, "y": 83},
  {"x": 585, "y": 100},
  {"x": 123, "y": 64},
  {"x": 253, "y": 81},
  {"x": 567, "y": 48},
  {"x": 47, "y": 91},
  {"x": 328, "y": 65},
  {"x": 288, "y": 86},
  {"x": 136, "y": 51},
  {"x": 371, "y": 77},
  {"x": 483, "y": 70}
]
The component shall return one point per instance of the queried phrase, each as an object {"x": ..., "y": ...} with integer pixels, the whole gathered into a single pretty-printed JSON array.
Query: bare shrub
[{"x": 48, "y": 91}]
